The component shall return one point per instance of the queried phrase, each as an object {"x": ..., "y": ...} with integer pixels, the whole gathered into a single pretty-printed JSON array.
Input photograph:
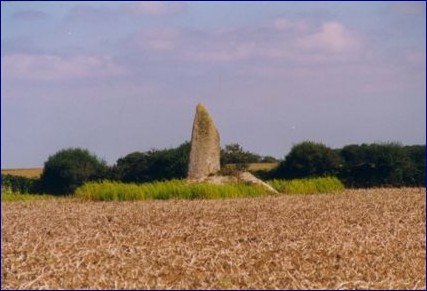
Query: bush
[
  {"x": 70, "y": 168},
  {"x": 154, "y": 165},
  {"x": 234, "y": 154},
  {"x": 8, "y": 195},
  {"x": 168, "y": 164},
  {"x": 366, "y": 165},
  {"x": 309, "y": 159},
  {"x": 173, "y": 189},
  {"x": 20, "y": 184},
  {"x": 388, "y": 164},
  {"x": 415, "y": 175},
  {"x": 307, "y": 186}
]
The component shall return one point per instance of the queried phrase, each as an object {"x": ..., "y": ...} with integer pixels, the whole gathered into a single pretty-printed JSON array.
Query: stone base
[{"x": 244, "y": 177}]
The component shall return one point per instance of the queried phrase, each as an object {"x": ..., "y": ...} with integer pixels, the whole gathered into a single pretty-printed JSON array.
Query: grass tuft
[
  {"x": 307, "y": 186},
  {"x": 7, "y": 195}
]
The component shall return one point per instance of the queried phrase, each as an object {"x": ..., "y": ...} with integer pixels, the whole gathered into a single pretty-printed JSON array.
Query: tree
[
  {"x": 391, "y": 162},
  {"x": 358, "y": 169},
  {"x": 134, "y": 167},
  {"x": 169, "y": 163},
  {"x": 416, "y": 174},
  {"x": 69, "y": 168},
  {"x": 234, "y": 154},
  {"x": 154, "y": 165},
  {"x": 387, "y": 164},
  {"x": 309, "y": 159}
]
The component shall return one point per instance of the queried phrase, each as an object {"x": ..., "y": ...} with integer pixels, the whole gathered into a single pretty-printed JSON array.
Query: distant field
[
  {"x": 258, "y": 166},
  {"x": 262, "y": 166},
  {"x": 359, "y": 239},
  {"x": 25, "y": 172}
]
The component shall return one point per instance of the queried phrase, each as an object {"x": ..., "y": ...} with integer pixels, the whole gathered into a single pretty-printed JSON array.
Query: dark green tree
[
  {"x": 309, "y": 159},
  {"x": 153, "y": 165},
  {"x": 390, "y": 162},
  {"x": 359, "y": 168},
  {"x": 134, "y": 167},
  {"x": 20, "y": 184},
  {"x": 416, "y": 174},
  {"x": 387, "y": 164},
  {"x": 69, "y": 168}
]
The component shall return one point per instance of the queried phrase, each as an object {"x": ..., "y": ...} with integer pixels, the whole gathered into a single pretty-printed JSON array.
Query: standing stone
[{"x": 205, "y": 149}]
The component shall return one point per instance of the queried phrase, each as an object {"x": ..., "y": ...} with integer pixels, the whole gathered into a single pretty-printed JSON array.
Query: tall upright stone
[{"x": 205, "y": 148}]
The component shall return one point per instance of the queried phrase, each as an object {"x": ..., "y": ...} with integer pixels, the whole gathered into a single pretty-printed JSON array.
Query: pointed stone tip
[
  {"x": 200, "y": 106},
  {"x": 202, "y": 110}
]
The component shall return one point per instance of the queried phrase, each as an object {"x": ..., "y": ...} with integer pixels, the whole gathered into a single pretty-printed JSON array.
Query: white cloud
[
  {"x": 54, "y": 67},
  {"x": 332, "y": 37}
]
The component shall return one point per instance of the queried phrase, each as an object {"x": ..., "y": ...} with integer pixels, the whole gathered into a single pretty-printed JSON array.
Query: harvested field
[
  {"x": 365, "y": 239},
  {"x": 262, "y": 166},
  {"x": 25, "y": 172}
]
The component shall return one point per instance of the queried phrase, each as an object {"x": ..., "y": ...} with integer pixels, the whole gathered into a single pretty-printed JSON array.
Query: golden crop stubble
[{"x": 359, "y": 239}]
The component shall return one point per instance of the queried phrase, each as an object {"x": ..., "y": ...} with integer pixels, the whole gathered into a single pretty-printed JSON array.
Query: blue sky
[{"x": 118, "y": 77}]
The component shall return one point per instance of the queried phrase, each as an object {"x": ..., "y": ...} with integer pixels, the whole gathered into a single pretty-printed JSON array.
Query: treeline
[
  {"x": 68, "y": 169},
  {"x": 366, "y": 165},
  {"x": 20, "y": 184}
]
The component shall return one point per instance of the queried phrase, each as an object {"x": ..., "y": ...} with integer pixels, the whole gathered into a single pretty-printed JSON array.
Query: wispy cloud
[
  {"x": 409, "y": 8},
  {"x": 331, "y": 40},
  {"x": 416, "y": 57},
  {"x": 90, "y": 14},
  {"x": 157, "y": 8},
  {"x": 158, "y": 39},
  {"x": 30, "y": 15},
  {"x": 244, "y": 44},
  {"x": 282, "y": 23},
  {"x": 332, "y": 37},
  {"x": 55, "y": 67}
]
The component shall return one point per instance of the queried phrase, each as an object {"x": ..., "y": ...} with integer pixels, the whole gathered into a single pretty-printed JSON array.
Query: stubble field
[
  {"x": 365, "y": 239},
  {"x": 24, "y": 172}
]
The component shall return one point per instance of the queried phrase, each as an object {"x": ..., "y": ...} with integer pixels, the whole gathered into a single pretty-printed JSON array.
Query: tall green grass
[
  {"x": 307, "y": 186},
  {"x": 174, "y": 189},
  {"x": 7, "y": 195},
  {"x": 180, "y": 189}
]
